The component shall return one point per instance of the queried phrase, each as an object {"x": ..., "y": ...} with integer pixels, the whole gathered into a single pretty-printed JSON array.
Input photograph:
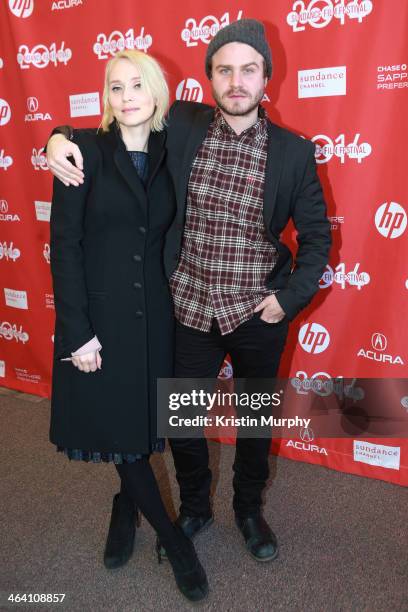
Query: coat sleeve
[
  {"x": 73, "y": 328},
  {"x": 69, "y": 132},
  {"x": 314, "y": 241}
]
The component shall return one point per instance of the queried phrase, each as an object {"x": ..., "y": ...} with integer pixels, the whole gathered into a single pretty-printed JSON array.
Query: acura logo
[
  {"x": 3, "y": 206},
  {"x": 306, "y": 434},
  {"x": 378, "y": 342},
  {"x": 32, "y": 104}
]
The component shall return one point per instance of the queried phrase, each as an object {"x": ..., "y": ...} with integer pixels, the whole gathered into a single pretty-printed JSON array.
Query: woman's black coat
[{"x": 106, "y": 258}]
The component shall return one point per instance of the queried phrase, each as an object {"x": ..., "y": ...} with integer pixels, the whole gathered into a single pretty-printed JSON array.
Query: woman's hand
[{"x": 89, "y": 362}]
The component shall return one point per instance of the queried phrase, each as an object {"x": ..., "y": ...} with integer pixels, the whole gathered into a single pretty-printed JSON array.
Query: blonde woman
[{"x": 114, "y": 314}]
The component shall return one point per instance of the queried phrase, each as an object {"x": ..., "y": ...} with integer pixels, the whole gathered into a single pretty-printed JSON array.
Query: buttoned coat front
[{"x": 107, "y": 263}]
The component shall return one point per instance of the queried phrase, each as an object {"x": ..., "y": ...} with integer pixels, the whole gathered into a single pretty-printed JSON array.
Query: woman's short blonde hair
[{"x": 151, "y": 78}]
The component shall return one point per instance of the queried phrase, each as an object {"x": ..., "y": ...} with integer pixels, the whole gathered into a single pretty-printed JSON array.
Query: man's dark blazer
[{"x": 292, "y": 190}]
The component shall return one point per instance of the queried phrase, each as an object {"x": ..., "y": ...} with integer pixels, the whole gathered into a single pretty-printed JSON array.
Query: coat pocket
[{"x": 96, "y": 295}]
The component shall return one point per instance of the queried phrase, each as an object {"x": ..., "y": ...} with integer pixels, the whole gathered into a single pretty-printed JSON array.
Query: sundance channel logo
[
  {"x": 321, "y": 82},
  {"x": 377, "y": 455},
  {"x": 84, "y": 104}
]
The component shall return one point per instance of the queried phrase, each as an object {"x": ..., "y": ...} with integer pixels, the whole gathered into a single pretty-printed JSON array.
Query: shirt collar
[{"x": 255, "y": 131}]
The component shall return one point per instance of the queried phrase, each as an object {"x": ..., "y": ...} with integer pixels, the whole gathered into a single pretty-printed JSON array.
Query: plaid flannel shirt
[{"x": 226, "y": 256}]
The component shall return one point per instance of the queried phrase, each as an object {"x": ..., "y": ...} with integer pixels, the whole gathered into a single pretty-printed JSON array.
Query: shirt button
[
  {"x": 142, "y": 229},
  {"x": 137, "y": 285},
  {"x": 139, "y": 314},
  {"x": 137, "y": 258}
]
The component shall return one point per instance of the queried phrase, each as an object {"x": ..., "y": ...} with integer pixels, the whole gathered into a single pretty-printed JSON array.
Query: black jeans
[{"x": 255, "y": 348}]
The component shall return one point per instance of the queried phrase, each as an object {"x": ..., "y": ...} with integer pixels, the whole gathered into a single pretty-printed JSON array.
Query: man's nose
[{"x": 236, "y": 78}]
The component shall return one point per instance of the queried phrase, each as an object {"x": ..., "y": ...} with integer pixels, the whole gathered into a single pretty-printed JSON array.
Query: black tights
[{"x": 139, "y": 483}]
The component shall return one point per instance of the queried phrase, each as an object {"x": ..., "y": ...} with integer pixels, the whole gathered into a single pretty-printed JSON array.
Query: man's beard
[{"x": 241, "y": 111}]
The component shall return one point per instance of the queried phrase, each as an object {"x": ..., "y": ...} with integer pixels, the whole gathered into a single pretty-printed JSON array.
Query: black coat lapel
[
  {"x": 156, "y": 152},
  {"x": 128, "y": 172},
  {"x": 198, "y": 131},
  {"x": 272, "y": 172},
  {"x": 124, "y": 165}
]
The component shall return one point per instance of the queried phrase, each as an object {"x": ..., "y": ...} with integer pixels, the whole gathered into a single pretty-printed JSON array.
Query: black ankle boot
[
  {"x": 188, "y": 571},
  {"x": 121, "y": 535}
]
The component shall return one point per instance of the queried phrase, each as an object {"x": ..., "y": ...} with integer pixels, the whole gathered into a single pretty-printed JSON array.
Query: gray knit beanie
[{"x": 248, "y": 31}]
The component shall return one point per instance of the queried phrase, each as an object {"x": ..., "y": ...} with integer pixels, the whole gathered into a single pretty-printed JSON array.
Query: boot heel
[
  {"x": 138, "y": 518},
  {"x": 158, "y": 552}
]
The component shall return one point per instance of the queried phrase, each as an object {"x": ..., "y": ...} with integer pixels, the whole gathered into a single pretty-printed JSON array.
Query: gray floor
[{"x": 343, "y": 539}]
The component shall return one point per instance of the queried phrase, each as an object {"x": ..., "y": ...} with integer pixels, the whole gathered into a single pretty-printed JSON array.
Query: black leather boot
[
  {"x": 188, "y": 571},
  {"x": 191, "y": 526},
  {"x": 121, "y": 535},
  {"x": 259, "y": 537}
]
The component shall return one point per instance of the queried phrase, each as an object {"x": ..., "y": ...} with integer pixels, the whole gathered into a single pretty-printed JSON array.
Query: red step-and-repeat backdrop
[{"x": 340, "y": 79}]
